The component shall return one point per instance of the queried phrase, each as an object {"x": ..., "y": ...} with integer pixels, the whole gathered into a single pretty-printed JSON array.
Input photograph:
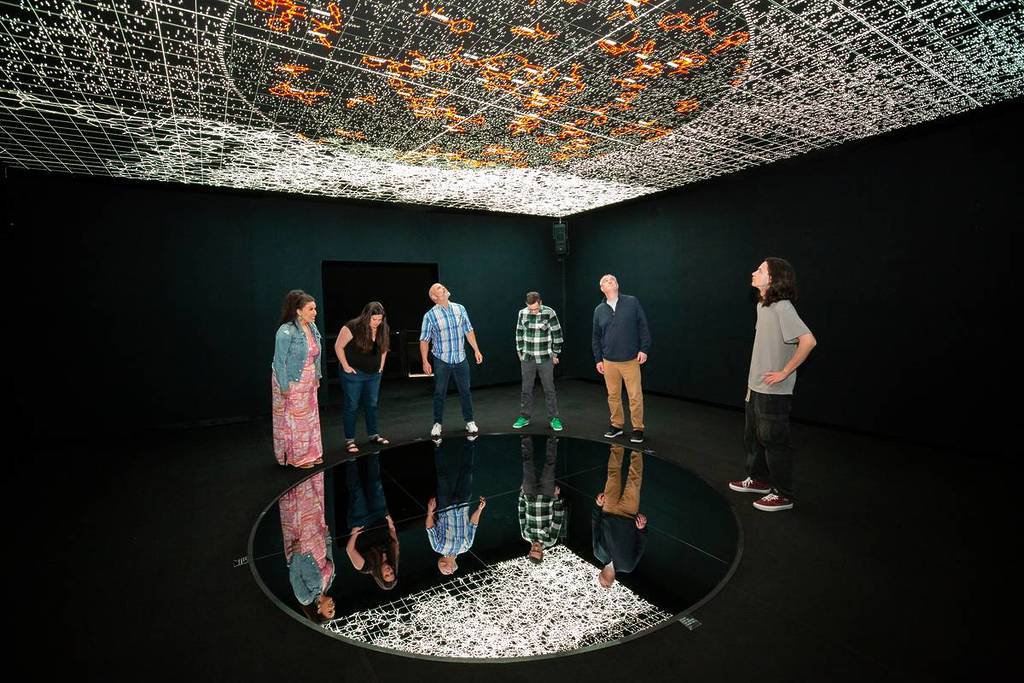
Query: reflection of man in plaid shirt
[
  {"x": 538, "y": 343},
  {"x": 541, "y": 507}
]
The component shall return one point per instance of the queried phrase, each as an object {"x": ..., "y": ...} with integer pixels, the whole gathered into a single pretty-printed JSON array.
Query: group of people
[
  {"x": 618, "y": 528},
  {"x": 620, "y": 342}
]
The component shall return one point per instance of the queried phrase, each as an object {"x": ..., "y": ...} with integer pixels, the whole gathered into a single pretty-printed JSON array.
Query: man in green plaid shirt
[
  {"x": 541, "y": 507},
  {"x": 538, "y": 342}
]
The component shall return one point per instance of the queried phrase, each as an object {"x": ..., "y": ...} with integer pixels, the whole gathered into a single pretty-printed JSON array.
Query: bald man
[
  {"x": 445, "y": 328},
  {"x": 621, "y": 342}
]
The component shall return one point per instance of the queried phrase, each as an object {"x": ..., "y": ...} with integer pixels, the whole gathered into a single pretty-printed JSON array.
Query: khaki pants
[
  {"x": 619, "y": 500},
  {"x": 615, "y": 373}
]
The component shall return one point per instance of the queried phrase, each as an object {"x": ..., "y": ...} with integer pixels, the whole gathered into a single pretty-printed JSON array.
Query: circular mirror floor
[{"x": 498, "y": 547}]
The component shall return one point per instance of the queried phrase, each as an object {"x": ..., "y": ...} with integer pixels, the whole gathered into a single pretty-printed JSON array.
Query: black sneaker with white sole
[
  {"x": 613, "y": 432},
  {"x": 638, "y": 436}
]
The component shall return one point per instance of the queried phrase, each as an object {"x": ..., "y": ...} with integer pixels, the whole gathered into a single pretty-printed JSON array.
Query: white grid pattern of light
[
  {"x": 545, "y": 107},
  {"x": 510, "y": 609}
]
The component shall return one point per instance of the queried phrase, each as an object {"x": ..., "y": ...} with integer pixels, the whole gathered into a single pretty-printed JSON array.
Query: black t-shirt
[{"x": 363, "y": 361}]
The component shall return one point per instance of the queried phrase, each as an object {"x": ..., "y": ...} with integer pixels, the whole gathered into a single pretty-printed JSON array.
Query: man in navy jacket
[{"x": 621, "y": 342}]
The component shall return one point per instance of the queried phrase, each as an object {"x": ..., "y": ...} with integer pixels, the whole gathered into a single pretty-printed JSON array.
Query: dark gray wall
[
  {"x": 903, "y": 247},
  {"x": 160, "y": 303}
]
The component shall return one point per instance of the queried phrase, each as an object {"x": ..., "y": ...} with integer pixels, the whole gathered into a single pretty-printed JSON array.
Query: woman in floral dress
[{"x": 295, "y": 381}]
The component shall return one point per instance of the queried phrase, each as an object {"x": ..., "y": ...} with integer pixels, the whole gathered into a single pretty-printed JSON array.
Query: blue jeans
[
  {"x": 366, "y": 504},
  {"x": 361, "y": 388},
  {"x": 454, "y": 466},
  {"x": 443, "y": 372}
]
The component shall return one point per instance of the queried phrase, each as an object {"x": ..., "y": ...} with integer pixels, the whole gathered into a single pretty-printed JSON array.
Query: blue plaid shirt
[
  {"x": 446, "y": 327},
  {"x": 452, "y": 533}
]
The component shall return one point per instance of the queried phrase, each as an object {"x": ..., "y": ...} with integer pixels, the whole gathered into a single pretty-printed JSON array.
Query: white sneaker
[
  {"x": 471, "y": 427},
  {"x": 436, "y": 429}
]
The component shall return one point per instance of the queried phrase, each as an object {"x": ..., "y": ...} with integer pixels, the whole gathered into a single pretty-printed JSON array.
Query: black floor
[{"x": 894, "y": 565}]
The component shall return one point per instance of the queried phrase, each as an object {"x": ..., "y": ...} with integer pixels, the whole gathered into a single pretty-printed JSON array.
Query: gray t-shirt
[{"x": 778, "y": 327}]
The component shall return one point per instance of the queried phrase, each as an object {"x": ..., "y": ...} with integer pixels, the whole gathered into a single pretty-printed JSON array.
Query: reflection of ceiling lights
[
  {"x": 533, "y": 106},
  {"x": 510, "y": 609}
]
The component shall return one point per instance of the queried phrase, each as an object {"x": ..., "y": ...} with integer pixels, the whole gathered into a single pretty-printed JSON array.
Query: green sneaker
[
  {"x": 556, "y": 424},
  {"x": 520, "y": 422}
]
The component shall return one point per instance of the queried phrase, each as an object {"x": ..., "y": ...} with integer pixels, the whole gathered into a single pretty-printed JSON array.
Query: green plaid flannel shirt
[
  {"x": 538, "y": 336},
  {"x": 540, "y": 518}
]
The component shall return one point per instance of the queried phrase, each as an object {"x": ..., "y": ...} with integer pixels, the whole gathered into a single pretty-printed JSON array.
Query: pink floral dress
[
  {"x": 304, "y": 530},
  {"x": 297, "y": 417}
]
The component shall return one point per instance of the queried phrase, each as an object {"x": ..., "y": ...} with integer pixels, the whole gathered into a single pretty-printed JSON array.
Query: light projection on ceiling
[{"x": 546, "y": 107}]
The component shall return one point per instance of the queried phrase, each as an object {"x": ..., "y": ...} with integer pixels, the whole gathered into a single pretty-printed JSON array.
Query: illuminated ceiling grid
[{"x": 545, "y": 107}]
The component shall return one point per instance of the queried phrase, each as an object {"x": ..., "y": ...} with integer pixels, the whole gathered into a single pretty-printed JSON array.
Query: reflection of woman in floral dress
[
  {"x": 307, "y": 547},
  {"x": 295, "y": 381}
]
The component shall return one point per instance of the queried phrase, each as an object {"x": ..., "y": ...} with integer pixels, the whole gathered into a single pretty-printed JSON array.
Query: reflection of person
[
  {"x": 444, "y": 328},
  {"x": 781, "y": 343},
  {"x": 451, "y": 528},
  {"x": 621, "y": 342},
  {"x": 372, "y": 548},
  {"x": 541, "y": 507},
  {"x": 619, "y": 528},
  {"x": 296, "y": 379},
  {"x": 307, "y": 547},
  {"x": 362, "y": 349},
  {"x": 538, "y": 343}
]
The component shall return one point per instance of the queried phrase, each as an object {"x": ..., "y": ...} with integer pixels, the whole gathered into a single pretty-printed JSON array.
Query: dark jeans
[
  {"x": 545, "y": 483},
  {"x": 361, "y": 388},
  {"x": 530, "y": 369},
  {"x": 443, "y": 372},
  {"x": 767, "y": 441},
  {"x": 366, "y": 503},
  {"x": 454, "y": 465}
]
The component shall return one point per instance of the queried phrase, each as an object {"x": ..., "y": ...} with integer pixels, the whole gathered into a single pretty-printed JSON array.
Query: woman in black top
[{"x": 362, "y": 347}]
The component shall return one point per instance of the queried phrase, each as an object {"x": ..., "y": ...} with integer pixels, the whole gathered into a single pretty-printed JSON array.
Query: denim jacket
[
  {"x": 290, "y": 349},
  {"x": 305, "y": 577}
]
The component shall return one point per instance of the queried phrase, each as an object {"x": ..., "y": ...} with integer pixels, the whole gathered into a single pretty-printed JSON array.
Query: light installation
[
  {"x": 510, "y": 609},
  {"x": 546, "y": 107}
]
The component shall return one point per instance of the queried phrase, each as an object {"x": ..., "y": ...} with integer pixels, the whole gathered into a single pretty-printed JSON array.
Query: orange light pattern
[
  {"x": 681, "y": 21},
  {"x": 540, "y": 90},
  {"x": 322, "y": 28},
  {"x": 685, "y": 62},
  {"x": 572, "y": 82},
  {"x": 350, "y": 134},
  {"x": 533, "y": 32},
  {"x": 627, "y": 12},
  {"x": 731, "y": 40},
  {"x": 462, "y": 158},
  {"x": 461, "y": 26},
  {"x": 740, "y": 68},
  {"x": 526, "y": 124},
  {"x": 284, "y": 11},
  {"x": 292, "y": 69},
  {"x": 644, "y": 129},
  {"x": 615, "y": 49},
  {"x": 307, "y": 97},
  {"x": 457, "y": 26},
  {"x": 687, "y": 106},
  {"x": 353, "y": 102}
]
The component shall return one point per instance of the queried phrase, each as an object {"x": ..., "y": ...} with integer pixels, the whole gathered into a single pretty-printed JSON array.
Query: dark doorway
[{"x": 400, "y": 287}]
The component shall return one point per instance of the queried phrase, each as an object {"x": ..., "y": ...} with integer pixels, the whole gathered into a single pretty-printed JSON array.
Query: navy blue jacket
[
  {"x": 620, "y": 334},
  {"x": 617, "y": 540}
]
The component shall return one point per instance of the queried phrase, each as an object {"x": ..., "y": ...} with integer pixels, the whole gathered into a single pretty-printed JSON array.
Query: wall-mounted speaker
[{"x": 560, "y": 232}]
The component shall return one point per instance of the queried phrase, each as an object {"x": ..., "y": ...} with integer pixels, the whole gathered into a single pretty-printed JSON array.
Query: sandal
[
  {"x": 352, "y": 448},
  {"x": 379, "y": 440},
  {"x": 306, "y": 466}
]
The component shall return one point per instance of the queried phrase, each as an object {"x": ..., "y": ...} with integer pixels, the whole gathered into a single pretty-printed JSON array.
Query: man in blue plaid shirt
[
  {"x": 444, "y": 327},
  {"x": 538, "y": 343}
]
